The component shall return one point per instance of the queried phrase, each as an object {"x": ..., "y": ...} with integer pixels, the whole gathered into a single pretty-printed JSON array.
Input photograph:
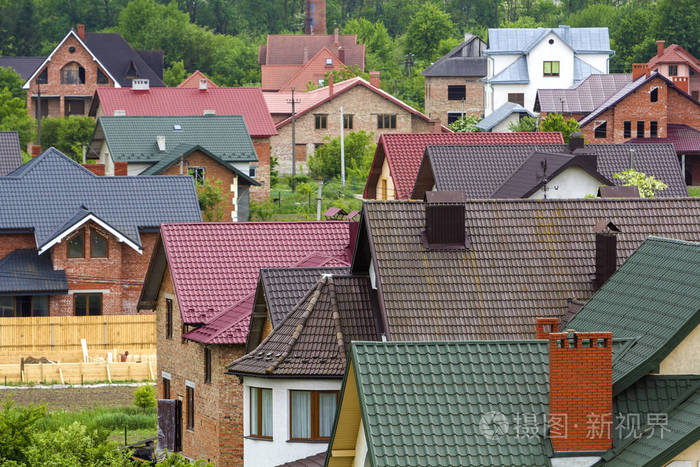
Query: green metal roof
[
  {"x": 653, "y": 298},
  {"x": 134, "y": 139},
  {"x": 433, "y": 403},
  {"x": 653, "y": 448}
]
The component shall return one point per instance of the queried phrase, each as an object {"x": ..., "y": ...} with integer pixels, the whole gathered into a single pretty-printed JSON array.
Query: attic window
[
  {"x": 654, "y": 95},
  {"x": 673, "y": 70},
  {"x": 329, "y": 62},
  {"x": 601, "y": 131},
  {"x": 551, "y": 41},
  {"x": 71, "y": 49}
]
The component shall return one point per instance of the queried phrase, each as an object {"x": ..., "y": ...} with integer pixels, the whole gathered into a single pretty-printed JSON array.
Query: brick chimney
[
  {"x": 605, "y": 252},
  {"x": 81, "y": 32},
  {"x": 341, "y": 54},
  {"x": 121, "y": 169},
  {"x": 435, "y": 125},
  {"x": 97, "y": 169},
  {"x": 545, "y": 326},
  {"x": 315, "y": 17},
  {"x": 580, "y": 391},
  {"x": 660, "y": 48},
  {"x": 36, "y": 150},
  {"x": 576, "y": 141},
  {"x": 639, "y": 69},
  {"x": 444, "y": 221},
  {"x": 681, "y": 82},
  {"x": 330, "y": 84},
  {"x": 374, "y": 79}
]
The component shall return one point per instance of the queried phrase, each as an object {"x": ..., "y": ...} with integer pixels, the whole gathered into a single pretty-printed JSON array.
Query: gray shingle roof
[
  {"x": 522, "y": 40},
  {"x": 527, "y": 257},
  {"x": 10, "y": 154},
  {"x": 584, "y": 97},
  {"x": 24, "y": 66},
  {"x": 480, "y": 170},
  {"x": 515, "y": 73},
  {"x": 44, "y": 194},
  {"x": 134, "y": 139},
  {"x": 500, "y": 114},
  {"x": 313, "y": 340},
  {"x": 25, "y": 272}
]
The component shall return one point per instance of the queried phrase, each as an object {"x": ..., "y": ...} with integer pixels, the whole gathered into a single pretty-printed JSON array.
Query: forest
[{"x": 402, "y": 37}]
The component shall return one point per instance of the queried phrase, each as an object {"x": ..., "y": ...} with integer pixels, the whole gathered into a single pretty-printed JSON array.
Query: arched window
[{"x": 73, "y": 73}]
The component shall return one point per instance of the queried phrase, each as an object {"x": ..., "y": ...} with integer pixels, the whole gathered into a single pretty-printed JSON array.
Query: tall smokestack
[{"x": 315, "y": 17}]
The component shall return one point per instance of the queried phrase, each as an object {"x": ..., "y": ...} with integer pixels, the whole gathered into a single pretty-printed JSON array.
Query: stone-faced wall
[
  {"x": 218, "y": 419},
  {"x": 54, "y": 87},
  {"x": 437, "y": 105}
]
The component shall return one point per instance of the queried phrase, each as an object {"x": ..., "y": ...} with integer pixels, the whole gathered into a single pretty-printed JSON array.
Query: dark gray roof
[
  {"x": 25, "y": 272},
  {"x": 25, "y": 66},
  {"x": 317, "y": 460},
  {"x": 48, "y": 192},
  {"x": 584, "y": 97},
  {"x": 500, "y": 114},
  {"x": 117, "y": 55},
  {"x": 10, "y": 154},
  {"x": 526, "y": 259},
  {"x": 530, "y": 176},
  {"x": 463, "y": 60},
  {"x": 480, "y": 170}
]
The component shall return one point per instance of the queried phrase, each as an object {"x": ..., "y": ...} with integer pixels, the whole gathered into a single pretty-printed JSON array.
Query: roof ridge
[
  {"x": 672, "y": 240},
  {"x": 340, "y": 342}
]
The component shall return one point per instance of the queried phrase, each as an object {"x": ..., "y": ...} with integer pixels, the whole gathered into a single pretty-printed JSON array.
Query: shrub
[
  {"x": 210, "y": 197},
  {"x": 466, "y": 124},
  {"x": 556, "y": 122},
  {"x": 527, "y": 123},
  {"x": 145, "y": 397},
  {"x": 359, "y": 149},
  {"x": 648, "y": 185}
]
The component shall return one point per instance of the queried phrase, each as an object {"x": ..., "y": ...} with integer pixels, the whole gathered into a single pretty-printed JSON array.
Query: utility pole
[
  {"x": 38, "y": 109},
  {"x": 342, "y": 148},
  {"x": 294, "y": 143}
]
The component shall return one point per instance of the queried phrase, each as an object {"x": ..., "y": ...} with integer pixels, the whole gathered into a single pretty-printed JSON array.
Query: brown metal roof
[
  {"x": 317, "y": 460},
  {"x": 315, "y": 338},
  {"x": 526, "y": 259},
  {"x": 585, "y": 97}
]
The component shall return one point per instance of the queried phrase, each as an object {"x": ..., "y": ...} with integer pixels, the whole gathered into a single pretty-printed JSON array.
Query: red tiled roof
[
  {"x": 674, "y": 53},
  {"x": 683, "y": 137},
  {"x": 289, "y": 49},
  {"x": 313, "y": 70},
  {"x": 248, "y": 102},
  {"x": 214, "y": 265},
  {"x": 192, "y": 81},
  {"x": 404, "y": 152}
]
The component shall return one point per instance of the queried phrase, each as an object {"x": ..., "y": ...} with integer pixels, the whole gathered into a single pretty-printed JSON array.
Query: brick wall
[
  {"x": 262, "y": 149},
  {"x": 683, "y": 110},
  {"x": 437, "y": 104},
  {"x": 580, "y": 391},
  {"x": 218, "y": 425},
  {"x": 11, "y": 242},
  {"x": 54, "y": 86}
]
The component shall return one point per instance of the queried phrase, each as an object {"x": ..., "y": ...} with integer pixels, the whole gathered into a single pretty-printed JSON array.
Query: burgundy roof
[
  {"x": 156, "y": 102},
  {"x": 404, "y": 152},
  {"x": 683, "y": 137},
  {"x": 215, "y": 265}
]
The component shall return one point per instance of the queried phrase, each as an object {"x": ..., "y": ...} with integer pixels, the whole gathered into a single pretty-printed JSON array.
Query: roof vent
[
  {"x": 177, "y": 127},
  {"x": 120, "y": 113},
  {"x": 329, "y": 62},
  {"x": 209, "y": 112},
  {"x": 161, "y": 143},
  {"x": 444, "y": 221},
  {"x": 140, "y": 84},
  {"x": 202, "y": 84}
]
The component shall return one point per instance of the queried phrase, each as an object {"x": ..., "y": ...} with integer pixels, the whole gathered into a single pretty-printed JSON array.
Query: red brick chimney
[
  {"x": 36, "y": 150},
  {"x": 660, "y": 48},
  {"x": 580, "y": 391},
  {"x": 97, "y": 169},
  {"x": 341, "y": 54},
  {"x": 374, "y": 79},
  {"x": 330, "y": 84},
  {"x": 435, "y": 126},
  {"x": 639, "y": 69},
  {"x": 541, "y": 325},
  {"x": 681, "y": 82},
  {"x": 81, "y": 32},
  {"x": 121, "y": 169}
]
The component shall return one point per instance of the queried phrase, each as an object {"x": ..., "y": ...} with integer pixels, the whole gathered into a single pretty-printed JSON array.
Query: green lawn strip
[
  {"x": 301, "y": 205},
  {"x": 113, "y": 419},
  {"x": 694, "y": 191}
]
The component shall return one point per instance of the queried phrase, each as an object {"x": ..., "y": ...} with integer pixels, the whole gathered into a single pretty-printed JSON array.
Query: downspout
[
  {"x": 488, "y": 81},
  {"x": 607, "y": 63}
]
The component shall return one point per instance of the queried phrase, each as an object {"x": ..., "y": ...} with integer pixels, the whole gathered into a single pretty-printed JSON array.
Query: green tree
[
  {"x": 174, "y": 74},
  {"x": 325, "y": 163},
  {"x": 648, "y": 185},
  {"x": 14, "y": 117},
  {"x": 428, "y": 27},
  {"x": 211, "y": 195},
  {"x": 527, "y": 123},
  {"x": 678, "y": 21},
  {"x": 12, "y": 81},
  {"x": 145, "y": 397},
  {"x": 556, "y": 122},
  {"x": 17, "y": 425},
  {"x": 466, "y": 124},
  {"x": 67, "y": 134}
]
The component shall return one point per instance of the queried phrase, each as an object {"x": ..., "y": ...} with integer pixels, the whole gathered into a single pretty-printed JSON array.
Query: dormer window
[
  {"x": 73, "y": 73},
  {"x": 551, "y": 69}
]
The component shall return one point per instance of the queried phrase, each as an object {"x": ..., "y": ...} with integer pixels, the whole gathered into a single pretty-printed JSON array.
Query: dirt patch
[{"x": 73, "y": 398}]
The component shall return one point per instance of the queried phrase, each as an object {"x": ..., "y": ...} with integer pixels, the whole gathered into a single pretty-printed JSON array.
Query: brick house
[
  {"x": 78, "y": 244},
  {"x": 398, "y": 157},
  {"x": 453, "y": 85},
  {"x": 201, "y": 329},
  {"x": 674, "y": 62},
  {"x": 197, "y": 100},
  {"x": 83, "y": 62},
  {"x": 365, "y": 107},
  {"x": 212, "y": 147}
]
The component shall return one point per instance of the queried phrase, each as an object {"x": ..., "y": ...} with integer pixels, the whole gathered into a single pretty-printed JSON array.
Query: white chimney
[
  {"x": 202, "y": 84},
  {"x": 140, "y": 84},
  {"x": 161, "y": 143}
]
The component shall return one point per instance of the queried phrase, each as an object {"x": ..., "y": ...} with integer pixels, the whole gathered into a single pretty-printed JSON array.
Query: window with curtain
[
  {"x": 261, "y": 412},
  {"x": 312, "y": 414}
]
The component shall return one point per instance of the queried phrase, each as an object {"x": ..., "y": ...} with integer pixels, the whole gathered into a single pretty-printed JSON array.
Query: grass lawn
[{"x": 694, "y": 191}]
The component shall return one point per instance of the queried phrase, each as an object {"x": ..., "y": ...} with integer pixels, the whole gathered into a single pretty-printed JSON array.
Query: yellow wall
[
  {"x": 685, "y": 358},
  {"x": 385, "y": 176},
  {"x": 691, "y": 454}
]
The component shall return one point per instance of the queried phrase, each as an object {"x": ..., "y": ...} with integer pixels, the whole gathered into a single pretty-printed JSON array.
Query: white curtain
[
  {"x": 326, "y": 413},
  {"x": 301, "y": 414},
  {"x": 267, "y": 412},
  {"x": 254, "y": 411}
]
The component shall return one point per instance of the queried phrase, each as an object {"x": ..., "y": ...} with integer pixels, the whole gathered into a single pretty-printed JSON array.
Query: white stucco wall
[
  {"x": 573, "y": 182},
  {"x": 134, "y": 169},
  {"x": 263, "y": 453},
  {"x": 504, "y": 126}
]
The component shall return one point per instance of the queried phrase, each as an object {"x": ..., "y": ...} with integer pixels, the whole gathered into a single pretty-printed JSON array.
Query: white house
[{"x": 521, "y": 61}]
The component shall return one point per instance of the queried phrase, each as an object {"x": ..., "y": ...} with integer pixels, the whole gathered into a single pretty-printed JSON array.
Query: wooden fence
[{"x": 42, "y": 335}]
